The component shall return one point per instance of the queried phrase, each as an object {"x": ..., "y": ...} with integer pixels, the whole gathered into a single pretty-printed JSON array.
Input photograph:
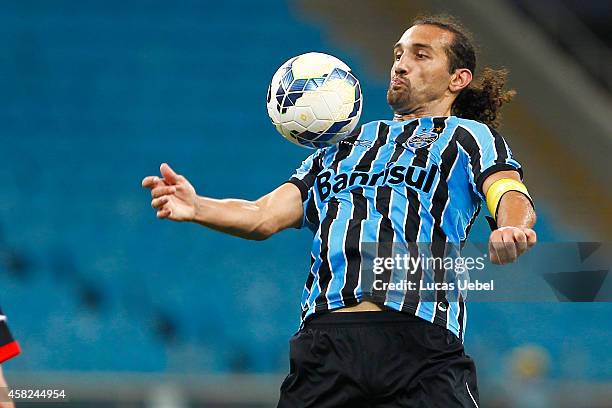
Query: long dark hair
[{"x": 484, "y": 97}]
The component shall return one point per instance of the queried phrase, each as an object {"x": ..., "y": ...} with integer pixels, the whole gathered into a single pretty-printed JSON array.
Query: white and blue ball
[{"x": 314, "y": 100}]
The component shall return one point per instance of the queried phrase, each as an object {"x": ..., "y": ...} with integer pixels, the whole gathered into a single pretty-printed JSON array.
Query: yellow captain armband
[{"x": 501, "y": 187}]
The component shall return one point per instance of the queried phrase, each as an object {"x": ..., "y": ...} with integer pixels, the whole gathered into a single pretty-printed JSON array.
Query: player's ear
[{"x": 460, "y": 79}]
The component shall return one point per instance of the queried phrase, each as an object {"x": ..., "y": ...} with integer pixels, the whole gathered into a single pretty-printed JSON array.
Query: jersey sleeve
[
  {"x": 304, "y": 179},
  {"x": 487, "y": 153},
  {"x": 9, "y": 348}
]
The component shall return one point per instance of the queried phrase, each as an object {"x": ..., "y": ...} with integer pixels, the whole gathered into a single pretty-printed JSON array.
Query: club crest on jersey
[{"x": 420, "y": 140}]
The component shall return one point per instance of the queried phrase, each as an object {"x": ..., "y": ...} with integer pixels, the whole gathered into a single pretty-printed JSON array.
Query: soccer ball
[{"x": 314, "y": 100}]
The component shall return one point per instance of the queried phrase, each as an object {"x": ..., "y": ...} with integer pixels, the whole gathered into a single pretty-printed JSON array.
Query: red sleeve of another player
[{"x": 9, "y": 348}]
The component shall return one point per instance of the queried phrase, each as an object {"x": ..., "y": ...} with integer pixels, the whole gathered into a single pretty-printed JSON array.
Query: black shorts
[{"x": 377, "y": 359}]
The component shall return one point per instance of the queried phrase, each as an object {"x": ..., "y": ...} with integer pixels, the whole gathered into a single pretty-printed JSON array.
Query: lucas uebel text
[
  {"x": 458, "y": 267},
  {"x": 462, "y": 285}
]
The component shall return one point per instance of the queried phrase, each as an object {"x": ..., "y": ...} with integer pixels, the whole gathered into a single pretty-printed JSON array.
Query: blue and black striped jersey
[{"x": 416, "y": 181}]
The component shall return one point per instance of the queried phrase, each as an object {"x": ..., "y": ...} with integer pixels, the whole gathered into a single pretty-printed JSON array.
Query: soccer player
[
  {"x": 419, "y": 178},
  {"x": 9, "y": 348}
]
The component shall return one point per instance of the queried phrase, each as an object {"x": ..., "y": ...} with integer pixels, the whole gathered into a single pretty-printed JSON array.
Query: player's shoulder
[
  {"x": 468, "y": 129},
  {"x": 471, "y": 125}
]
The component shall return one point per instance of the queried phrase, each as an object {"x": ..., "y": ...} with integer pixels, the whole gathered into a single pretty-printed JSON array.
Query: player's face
[{"x": 420, "y": 73}]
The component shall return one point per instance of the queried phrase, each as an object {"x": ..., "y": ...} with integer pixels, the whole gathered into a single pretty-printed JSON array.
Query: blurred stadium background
[{"x": 122, "y": 310}]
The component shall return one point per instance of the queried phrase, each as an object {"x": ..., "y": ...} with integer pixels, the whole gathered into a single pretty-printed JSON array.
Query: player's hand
[
  {"x": 172, "y": 195},
  {"x": 506, "y": 244}
]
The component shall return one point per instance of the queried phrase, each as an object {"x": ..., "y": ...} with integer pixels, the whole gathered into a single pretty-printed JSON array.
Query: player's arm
[
  {"x": 176, "y": 199},
  {"x": 274, "y": 212},
  {"x": 508, "y": 202}
]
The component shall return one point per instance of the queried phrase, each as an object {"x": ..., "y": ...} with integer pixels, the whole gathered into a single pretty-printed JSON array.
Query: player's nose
[
  {"x": 400, "y": 71},
  {"x": 401, "y": 67}
]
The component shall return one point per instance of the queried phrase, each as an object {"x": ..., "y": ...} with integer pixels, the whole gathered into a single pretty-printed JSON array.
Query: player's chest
[
  {"x": 420, "y": 150},
  {"x": 396, "y": 164}
]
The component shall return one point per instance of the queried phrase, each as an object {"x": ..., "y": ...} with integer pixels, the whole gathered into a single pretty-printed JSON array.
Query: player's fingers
[
  {"x": 493, "y": 255},
  {"x": 159, "y": 202},
  {"x": 521, "y": 242},
  {"x": 164, "y": 213},
  {"x": 532, "y": 237},
  {"x": 150, "y": 181},
  {"x": 162, "y": 191},
  {"x": 502, "y": 244},
  {"x": 496, "y": 247},
  {"x": 510, "y": 252},
  {"x": 499, "y": 248},
  {"x": 169, "y": 175},
  {"x": 153, "y": 181}
]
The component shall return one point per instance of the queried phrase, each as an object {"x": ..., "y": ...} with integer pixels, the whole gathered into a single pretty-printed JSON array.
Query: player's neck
[{"x": 421, "y": 112}]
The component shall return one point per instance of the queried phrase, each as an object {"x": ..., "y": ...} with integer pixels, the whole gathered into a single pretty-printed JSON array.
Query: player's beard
[{"x": 399, "y": 97}]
